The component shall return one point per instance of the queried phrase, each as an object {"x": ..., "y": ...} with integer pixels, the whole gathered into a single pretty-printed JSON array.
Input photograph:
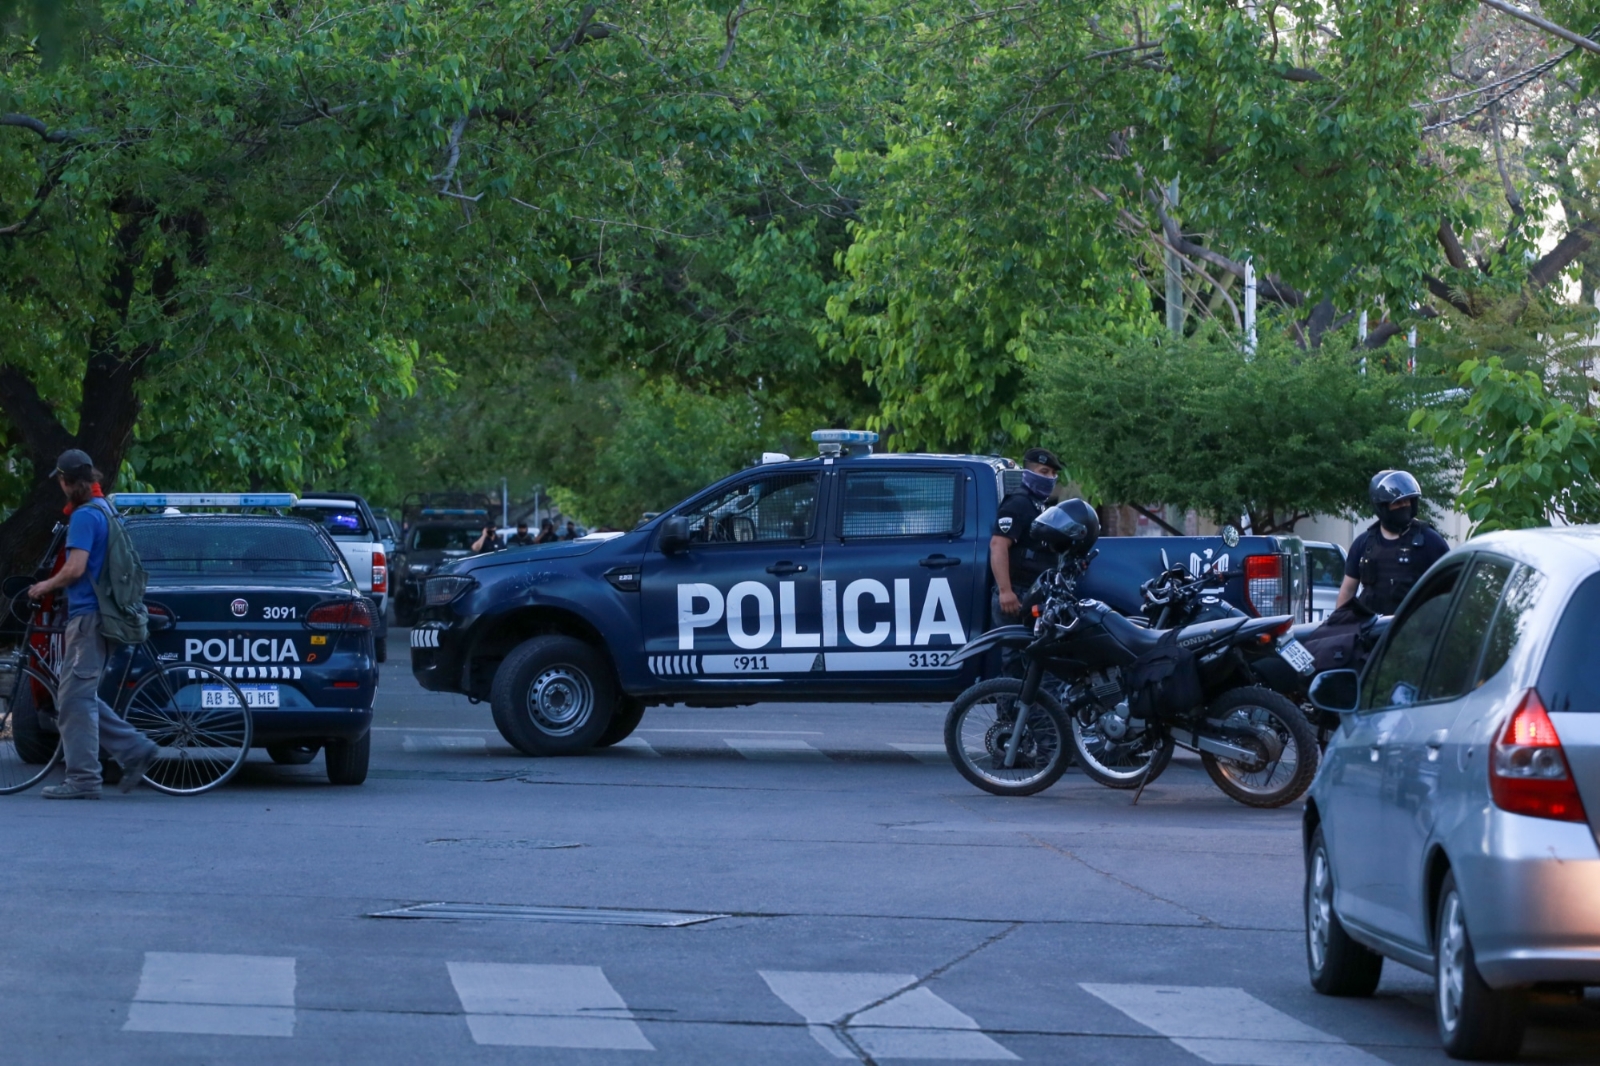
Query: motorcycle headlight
[{"x": 447, "y": 589}]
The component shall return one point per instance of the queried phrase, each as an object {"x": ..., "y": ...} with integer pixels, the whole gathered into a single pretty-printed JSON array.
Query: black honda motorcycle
[{"x": 1122, "y": 696}]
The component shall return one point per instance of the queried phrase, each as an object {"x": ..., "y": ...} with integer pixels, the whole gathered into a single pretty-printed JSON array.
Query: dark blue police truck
[{"x": 850, "y": 576}]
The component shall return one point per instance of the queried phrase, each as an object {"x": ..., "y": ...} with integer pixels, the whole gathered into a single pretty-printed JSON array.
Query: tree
[{"x": 1280, "y": 435}]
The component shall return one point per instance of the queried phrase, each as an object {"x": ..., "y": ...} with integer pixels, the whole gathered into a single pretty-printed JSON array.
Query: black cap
[
  {"x": 1042, "y": 456},
  {"x": 72, "y": 464}
]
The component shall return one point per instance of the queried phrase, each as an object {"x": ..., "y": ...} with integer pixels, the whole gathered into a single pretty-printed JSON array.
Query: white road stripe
[
  {"x": 638, "y": 746},
  {"x": 929, "y": 753},
  {"x": 908, "y": 1023},
  {"x": 1228, "y": 1026},
  {"x": 228, "y": 995},
  {"x": 444, "y": 743},
  {"x": 510, "y": 1005},
  {"x": 774, "y": 749}
]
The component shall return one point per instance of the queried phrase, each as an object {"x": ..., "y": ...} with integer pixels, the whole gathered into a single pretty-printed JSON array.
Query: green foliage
[
  {"x": 1281, "y": 435},
  {"x": 1528, "y": 456}
]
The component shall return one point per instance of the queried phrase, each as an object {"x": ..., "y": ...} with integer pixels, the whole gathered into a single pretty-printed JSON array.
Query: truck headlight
[{"x": 446, "y": 589}]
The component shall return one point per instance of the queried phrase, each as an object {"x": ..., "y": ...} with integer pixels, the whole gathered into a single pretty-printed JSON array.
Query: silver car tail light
[{"x": 1528, "y": 771}]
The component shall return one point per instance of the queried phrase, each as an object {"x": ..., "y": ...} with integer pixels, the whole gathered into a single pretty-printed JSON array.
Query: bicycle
[{"x": 199, "y": 718}]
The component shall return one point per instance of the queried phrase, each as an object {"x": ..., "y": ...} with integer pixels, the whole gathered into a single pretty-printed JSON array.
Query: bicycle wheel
[
  {"x": 23, "y": 751},
  {"x": 201, "y": 721}
]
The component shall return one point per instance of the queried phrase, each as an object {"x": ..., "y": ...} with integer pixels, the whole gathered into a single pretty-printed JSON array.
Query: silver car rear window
[{"x": 1570, "y": 680}]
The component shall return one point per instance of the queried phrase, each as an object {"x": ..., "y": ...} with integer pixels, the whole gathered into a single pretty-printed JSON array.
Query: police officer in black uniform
[
  {"x": 1394, "y": 552},
  {"x": 1013, "y": 557}
]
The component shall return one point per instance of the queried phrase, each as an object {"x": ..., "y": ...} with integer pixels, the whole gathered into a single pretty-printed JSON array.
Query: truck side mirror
[
  {"x": 1337, "y": 691},
  {"x": 674, "y": 535}
]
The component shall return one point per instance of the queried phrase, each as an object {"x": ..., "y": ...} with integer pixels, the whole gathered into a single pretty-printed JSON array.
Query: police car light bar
[
  {"x": 204, "y": 499},
  {"x": 844, "y": 436},
  {"x": 450, "y": 510}
]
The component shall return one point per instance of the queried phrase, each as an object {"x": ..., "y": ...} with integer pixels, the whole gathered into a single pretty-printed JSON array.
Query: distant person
[
  {"x": 488, "y": 541},
  {"x": 547, "y": 533},
  {"x": 87, "y": 723},
  {"x": 572, "y": 530},
  {"x": 521, "y": 538}
]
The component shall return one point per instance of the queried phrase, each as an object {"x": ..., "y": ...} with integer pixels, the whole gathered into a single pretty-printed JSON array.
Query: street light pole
[{"x": 1174, "y": 274}]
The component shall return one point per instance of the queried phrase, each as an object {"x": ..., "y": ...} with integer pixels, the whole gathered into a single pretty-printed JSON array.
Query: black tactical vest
[{"x": 1390, "y": 567}]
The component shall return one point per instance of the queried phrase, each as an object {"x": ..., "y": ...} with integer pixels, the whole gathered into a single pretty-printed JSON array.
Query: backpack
[
  {"x": 1164, "y": 682},
  {"x": 120, "y": 590}
]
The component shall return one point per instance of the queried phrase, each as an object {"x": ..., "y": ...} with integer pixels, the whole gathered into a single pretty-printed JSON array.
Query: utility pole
[
  {"x": 505, "y": 503},
  {"x": 1174, "y": 274},
  {"x": 1361, "y": 335},
  {"x": 1250, "y": 305}
]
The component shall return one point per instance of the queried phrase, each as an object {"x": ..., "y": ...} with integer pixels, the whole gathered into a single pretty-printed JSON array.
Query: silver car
[{"x": 1452, "y": 825}]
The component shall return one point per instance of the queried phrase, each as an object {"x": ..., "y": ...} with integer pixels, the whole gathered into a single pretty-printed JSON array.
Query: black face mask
[{"x": 1398, "y": 521}]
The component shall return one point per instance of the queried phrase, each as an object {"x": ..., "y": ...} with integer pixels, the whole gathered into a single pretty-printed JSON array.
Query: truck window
[
  {"x": 776, "y": 507},
  {"x": 1327, "y": 567},
  {"x": 885, "y": 503}
]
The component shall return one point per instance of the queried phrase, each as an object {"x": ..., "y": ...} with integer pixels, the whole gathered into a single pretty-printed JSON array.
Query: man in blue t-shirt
[{"x": 86, "y": 721}]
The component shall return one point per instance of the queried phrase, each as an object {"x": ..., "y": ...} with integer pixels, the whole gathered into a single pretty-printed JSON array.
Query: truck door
[
  {"x": 901, "y": 581},
  {"x": 741, "y": 606}
]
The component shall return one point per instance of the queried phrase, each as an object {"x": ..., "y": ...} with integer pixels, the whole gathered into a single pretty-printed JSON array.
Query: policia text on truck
[{"x": 851, "y": 576}]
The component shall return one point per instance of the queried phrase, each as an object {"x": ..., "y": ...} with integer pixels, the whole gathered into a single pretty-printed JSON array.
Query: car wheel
[
  {"x": 624, "y": 720},
  {"x": 553, "y": 696},
  {"x": 34, "y": 744},
  {"x": 347, "y": 760},
  {"x": 1475, "y": 1021},
  {"x": 380, "y": 649},
  {"x": 293, "y": 754},
  {"x": 1339, "y": 966}
]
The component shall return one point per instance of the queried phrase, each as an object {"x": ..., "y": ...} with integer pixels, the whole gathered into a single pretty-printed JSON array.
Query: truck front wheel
[{"x": 553, "y": 696}]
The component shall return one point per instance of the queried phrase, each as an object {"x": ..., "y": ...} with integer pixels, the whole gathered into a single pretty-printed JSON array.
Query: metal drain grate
[{"x": 511, "y": 912}]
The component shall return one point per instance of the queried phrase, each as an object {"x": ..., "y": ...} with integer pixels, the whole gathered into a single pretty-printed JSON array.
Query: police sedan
[{"x": 268, "y": 600}]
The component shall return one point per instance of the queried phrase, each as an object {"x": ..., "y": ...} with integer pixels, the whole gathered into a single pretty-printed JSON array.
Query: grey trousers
[{"x": 87, "y": 722}]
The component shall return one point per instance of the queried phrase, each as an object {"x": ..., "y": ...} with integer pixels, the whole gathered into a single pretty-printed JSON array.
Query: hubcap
[
  {"x": 560, "y": 700},
  {"x": 1452, "y": 962},
  {"x": 1319, "y": 909}
]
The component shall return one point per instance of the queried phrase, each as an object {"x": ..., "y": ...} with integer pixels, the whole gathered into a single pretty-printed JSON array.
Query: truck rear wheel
[
  {"x": 624, "y": 720},
  {"x": 553, "y": 695}
]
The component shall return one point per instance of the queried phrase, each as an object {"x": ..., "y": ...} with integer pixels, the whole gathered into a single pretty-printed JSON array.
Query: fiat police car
[
  {"x": 853, "y": 576},
  {"x": 268, "y": 599}
]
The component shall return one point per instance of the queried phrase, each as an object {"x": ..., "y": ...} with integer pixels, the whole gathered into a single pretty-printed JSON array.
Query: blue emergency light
[
  {"x": 204, "y": 499},
  {"x": 433, "y": 511},
  {"x": 844, "y": 436}
]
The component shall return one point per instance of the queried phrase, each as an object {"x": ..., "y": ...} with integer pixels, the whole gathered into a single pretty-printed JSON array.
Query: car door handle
[
  {"x": 784, "y": 566},
  {"x": 936, "y": 562}
]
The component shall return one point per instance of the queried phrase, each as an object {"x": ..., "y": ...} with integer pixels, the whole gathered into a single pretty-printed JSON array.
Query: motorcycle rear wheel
[
  {"x": 1139, "y": 765},
  {"x": 978, "y": 729},
  {"x": 1278, "y": 781}
]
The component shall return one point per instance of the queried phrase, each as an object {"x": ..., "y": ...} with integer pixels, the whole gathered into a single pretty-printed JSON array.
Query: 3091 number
[{"x": 273, "y": 614}]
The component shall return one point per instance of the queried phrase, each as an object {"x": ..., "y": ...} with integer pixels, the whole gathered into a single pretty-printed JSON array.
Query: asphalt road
[{"x": 849, "y": 897}]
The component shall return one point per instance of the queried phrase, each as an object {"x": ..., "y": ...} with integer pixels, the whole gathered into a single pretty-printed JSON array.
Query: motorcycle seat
[{"x": 1134, "y": 638}]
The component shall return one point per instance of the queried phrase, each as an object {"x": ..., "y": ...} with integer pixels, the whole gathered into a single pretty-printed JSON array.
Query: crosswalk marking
[
  {"x": 227, "y": 995},
  {"x": 928, "y": 753},
  {"x": 443, "y": 743},
  {"x": 519, "y": 1005},
  {"x": 774, "y": 748},
  {"x": 906, "y": 1023},
  {"x": 638, "y": 746},
  {"x": 1229, "y": 1027}
]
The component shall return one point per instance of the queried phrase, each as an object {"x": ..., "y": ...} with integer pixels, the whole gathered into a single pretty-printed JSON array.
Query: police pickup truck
[{"x": 849, "y": 576}]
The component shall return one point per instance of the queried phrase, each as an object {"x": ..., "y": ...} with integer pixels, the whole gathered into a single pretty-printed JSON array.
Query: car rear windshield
[
  {"x": 222, "y": 547},
  {"x": 1570, "y": 680},
  {"x": 343, "y": 521},
  {"x": 443, "y": 538}
]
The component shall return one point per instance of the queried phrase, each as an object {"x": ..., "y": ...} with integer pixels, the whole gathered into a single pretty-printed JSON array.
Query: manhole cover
[{"x": 511, "y": 912}]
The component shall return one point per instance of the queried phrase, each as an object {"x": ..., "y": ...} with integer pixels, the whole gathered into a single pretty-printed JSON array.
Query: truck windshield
[
  {"x": 442, "y": 538},
  {"x": 218, "y": 547}
]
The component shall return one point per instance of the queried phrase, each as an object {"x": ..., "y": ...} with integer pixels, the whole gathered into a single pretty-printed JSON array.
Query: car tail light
[
  {"x": 340, "y": 614},
  {"x": 1528, "y": 772},
  {"x": 380, "y": 572},
  {"x": 1264, "y": 585}
]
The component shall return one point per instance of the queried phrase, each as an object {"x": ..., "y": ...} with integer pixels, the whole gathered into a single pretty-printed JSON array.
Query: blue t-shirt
[{"x": 87, "y": 531}]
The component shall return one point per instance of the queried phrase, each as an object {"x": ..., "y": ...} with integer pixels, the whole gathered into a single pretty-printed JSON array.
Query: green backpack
[{"x": 120, "y": 590}]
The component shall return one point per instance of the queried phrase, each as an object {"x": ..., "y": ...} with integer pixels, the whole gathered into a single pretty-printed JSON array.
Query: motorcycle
[{"x": 1130, "y": 694}]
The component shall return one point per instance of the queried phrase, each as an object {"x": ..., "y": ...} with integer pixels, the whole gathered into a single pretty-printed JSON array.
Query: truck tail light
[
  {"x": 380, "y": 572},
  {"x": 1528, "y": 772},
  {"x": 1266, "y": 586},
  {"x": 340, "y": 615}
]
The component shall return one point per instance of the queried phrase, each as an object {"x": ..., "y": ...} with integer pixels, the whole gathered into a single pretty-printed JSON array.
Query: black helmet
[
  {"x": 1389, "y": 486},
  {"x": 1070, "y": 527}
]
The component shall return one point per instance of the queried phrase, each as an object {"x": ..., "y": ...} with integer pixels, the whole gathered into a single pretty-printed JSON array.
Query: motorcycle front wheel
[
  {"x": 1119, "y": 764},
  {"x": 978, "y": 731},
  {"x": 1277, "y": 730}
]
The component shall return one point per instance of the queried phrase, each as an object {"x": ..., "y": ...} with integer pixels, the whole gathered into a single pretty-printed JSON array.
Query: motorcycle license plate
[
  {"x": 1295, "y": 654},
  {"x": 254, "y": 696}
]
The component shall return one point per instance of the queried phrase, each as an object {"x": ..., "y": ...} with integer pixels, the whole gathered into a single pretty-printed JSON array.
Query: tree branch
[
  {"x": 28, "y": 122},
  {"x": 1577, "y": 241},
  {"x": 732, "y": 25},
  {"x": 588, "y": 30},
  {"x": 1443, "y": 292},
  {"x": 1269, "y": 287},
  {"x": 1513, "y": 200},
  {"x": 31, "y": 416},
  {"x": 1452, "y": 246},
  {"x": 1544, "y": 24},
  {"x": 1158, "y": 520}
]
